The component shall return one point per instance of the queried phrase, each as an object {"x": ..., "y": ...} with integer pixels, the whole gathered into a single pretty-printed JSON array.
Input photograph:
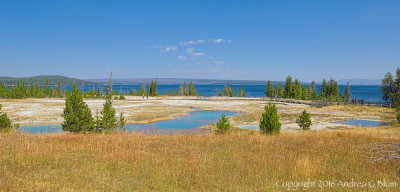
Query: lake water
[
  {"x": 251, "y": 127},
  {"x": 367, "y": 92},
  {"x": 189, "y": 123},
  {"x": 363, "y": 123}
]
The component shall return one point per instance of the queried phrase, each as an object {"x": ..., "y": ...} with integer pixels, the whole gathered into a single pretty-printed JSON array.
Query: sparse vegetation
[{"x": 304, "y": 120}]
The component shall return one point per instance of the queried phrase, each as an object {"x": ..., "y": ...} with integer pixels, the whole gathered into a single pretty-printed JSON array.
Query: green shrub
[
  {"x": 116, "y": 98},
  {"x": 304, "y": 120},
  {"x": 122, "y": 97},
  {"x": 5, "y": 122},
  {"x": 223, "y": 124},
  {"x": 270, "y": 120}
]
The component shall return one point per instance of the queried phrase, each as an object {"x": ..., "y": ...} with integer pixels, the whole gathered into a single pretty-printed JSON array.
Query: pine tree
[
  {"x": 184, "y": 90},
  {"x": 297, "y": 91},
  {"x": 223, "y": 125},
  {"x": 77, "y": 115},
  {"x": 270, "y": 120},
  {"x": 314, "y": 94},
  {"x": 347, "y": 94},
  {"x": 228, "y": 90},
  {"x": 288, "y": 87},
  {"x": 220, "y": 93},
  {"x": 122, "y": 121},
  {"x": 46, "y": 87},
  {"x": 387, "y": 87},
  {"x": 58, "y": 89},
  {"x": 192, "y": 90},
  {"x": 108, "y": 118},
  {"x": 279, "y": 90},
  {"x": 396, "y": 89},
  {"x": 269, "y": 91},
  {"x": 304, "y": 120},
  {"x": 241, "y": 92},
  {"x": 31, "y": 90},
  {"x": 323, "y": 93}
]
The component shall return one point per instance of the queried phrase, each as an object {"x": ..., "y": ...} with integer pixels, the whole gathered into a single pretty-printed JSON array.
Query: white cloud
[
  {"x": 192, "y": 42},
  {"x": 171, "y": 48},
  {"x": 156, "y": 46},
  {"x": 218, "y": 40},
  {"x": 210, "y": 57},
  {"x": 219, "y": 62},
  {"x": 198, "y": 54},
  {"x": 190, "y": 50},
  {"x": 173, "y": 70},
  {"x": 181, "y": 57}
]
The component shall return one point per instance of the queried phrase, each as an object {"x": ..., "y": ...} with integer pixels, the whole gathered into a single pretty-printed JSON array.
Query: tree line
[{"x": 294, "y": 89}]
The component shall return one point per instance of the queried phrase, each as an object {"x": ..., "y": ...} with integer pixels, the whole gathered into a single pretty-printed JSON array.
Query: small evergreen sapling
[
  {"x": 223, "y": 124},
  {"x": 108, "y": 120},
  {"x": 270, "y": 120},
  {"x": 304, "y": 120},
  {"x": 122, "y": 122}
]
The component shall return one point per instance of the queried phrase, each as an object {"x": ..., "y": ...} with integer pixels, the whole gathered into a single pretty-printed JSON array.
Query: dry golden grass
[
  {"x": 384, "y": 113},
  {"x": 240, "y": 161}
]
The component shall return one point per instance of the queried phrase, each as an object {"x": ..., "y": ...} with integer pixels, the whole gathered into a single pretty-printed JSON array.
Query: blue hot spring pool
[
  {"x": 364, "y": 123},
  {"x": 192, "y": 121}
]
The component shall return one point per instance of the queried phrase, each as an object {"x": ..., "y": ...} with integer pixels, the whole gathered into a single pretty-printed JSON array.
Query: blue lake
[
  {"x": 189, "y": 123},
  {"x": 364, "y": 123},
  {"x": 370, "y": 93}
]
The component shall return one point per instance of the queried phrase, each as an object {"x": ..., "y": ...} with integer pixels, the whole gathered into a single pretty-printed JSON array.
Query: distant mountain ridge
[
  {"x": 360, "y": 81},
  {"x": 41, "y": 79}
]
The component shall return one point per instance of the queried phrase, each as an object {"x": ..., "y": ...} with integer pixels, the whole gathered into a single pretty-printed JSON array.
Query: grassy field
[{"x": 240, "y": 161}]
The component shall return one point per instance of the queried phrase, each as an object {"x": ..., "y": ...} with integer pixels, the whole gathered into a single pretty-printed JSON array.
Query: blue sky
[{"x": 255, "y": 40}]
